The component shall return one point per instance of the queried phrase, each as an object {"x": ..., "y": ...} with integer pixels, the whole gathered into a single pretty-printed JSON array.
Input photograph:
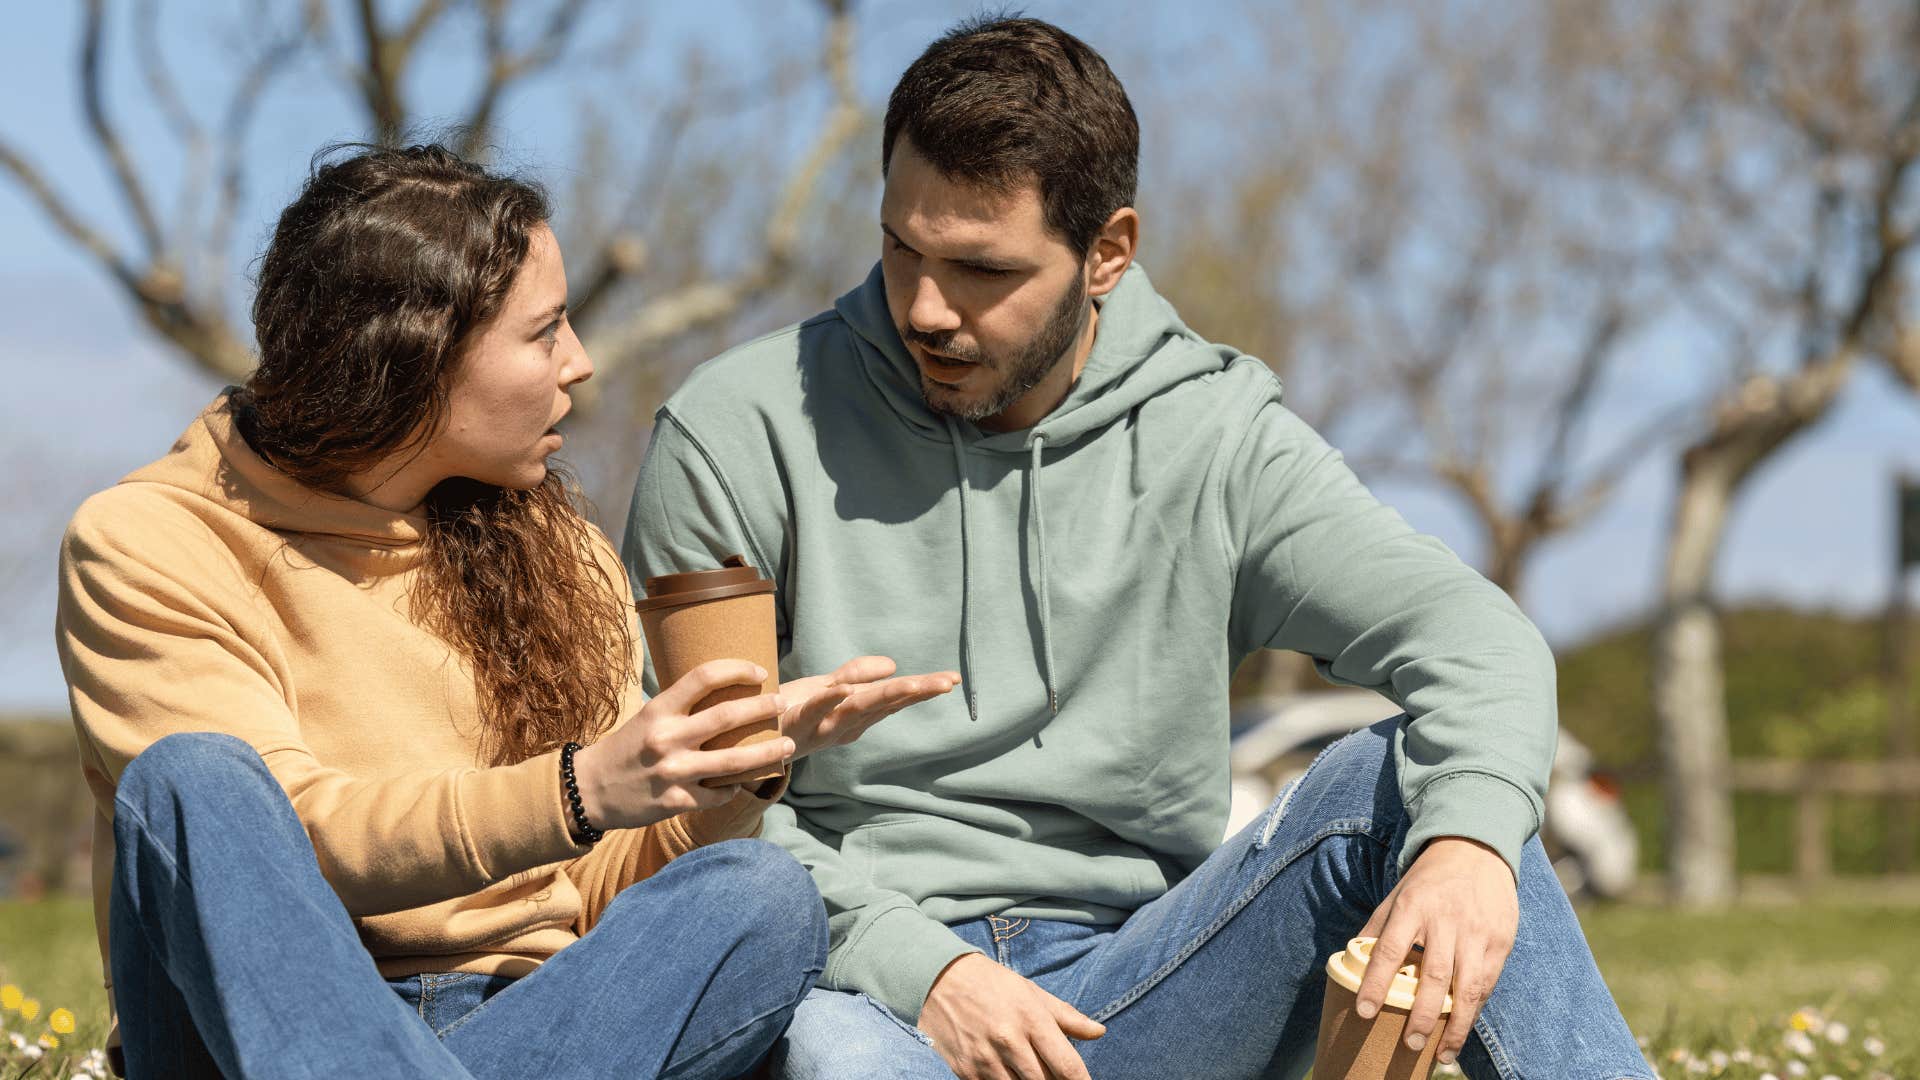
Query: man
[{"x": 1004, "y": 452}]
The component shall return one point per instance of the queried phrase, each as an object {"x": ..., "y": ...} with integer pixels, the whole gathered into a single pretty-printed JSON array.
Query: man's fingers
[
  {"x": 713, "y": 675},
  {"x": 863, "y": 669},
  {"x": 1378, "y": 920},
  {"x": 1057, "y": 1056},
  {"x": 1076, "y": 1024},
  {"x": 1389, "y": 952},
  {"x": 1472, "y": 982},
  {"x": 1436, "y": 978}
]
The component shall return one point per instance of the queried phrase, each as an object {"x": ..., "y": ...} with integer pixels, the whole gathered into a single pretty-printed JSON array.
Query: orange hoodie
[{"x": 210, "y": 592}]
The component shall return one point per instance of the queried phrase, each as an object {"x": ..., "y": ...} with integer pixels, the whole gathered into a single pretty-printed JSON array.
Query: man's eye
[{"x": 989, "y": 271}]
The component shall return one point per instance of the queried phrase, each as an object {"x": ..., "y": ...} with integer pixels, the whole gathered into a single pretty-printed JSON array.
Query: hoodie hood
[
  {"x": 1132, "y": 360},
  {"x": 1135, "y": 356},
  {"x": 212, "y": 462}
]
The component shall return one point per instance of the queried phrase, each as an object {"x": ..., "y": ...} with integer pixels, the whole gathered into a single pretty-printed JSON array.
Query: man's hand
[
  {"x": 1459, "y": 902},
  {"x": 828, "y": 710},
  {"x": 991, "y": 1024}
]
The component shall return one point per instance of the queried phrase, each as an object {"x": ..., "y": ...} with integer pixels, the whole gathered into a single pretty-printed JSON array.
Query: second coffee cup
[
  {"x": 724, "y": 614},
  {"x": 1352, "y": 1047}
]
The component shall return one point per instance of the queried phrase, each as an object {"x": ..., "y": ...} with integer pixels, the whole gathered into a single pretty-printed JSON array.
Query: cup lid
[
  {"x": 736, "y": 577},
  {"x": 1348, "y": 966}
]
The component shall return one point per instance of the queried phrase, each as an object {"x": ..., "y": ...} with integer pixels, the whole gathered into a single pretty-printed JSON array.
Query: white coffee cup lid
[{"x": 1348, "y": 966}]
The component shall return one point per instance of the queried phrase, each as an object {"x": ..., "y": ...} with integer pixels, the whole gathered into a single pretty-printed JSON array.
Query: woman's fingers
[
  {"x": 695, "y": 685},
  {"x": 749, "y": 757},
  {"x": 724, "y": 717}
]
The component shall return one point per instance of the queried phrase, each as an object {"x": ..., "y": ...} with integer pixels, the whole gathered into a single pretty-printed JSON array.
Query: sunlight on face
[
  {"x": 987, "y": 299},
  {"x": 511, "y": 386}
]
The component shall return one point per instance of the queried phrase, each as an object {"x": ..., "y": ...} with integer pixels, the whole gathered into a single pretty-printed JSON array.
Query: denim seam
[
  {"x": 1346, "y": 827},
  {"x": 1495, "y": 1052},
  {"x": 140, "y": 823},
  {"x": 793, "y": 1003}
]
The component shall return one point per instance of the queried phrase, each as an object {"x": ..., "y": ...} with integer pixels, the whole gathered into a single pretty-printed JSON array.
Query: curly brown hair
[{"x": 379, "y": 274}]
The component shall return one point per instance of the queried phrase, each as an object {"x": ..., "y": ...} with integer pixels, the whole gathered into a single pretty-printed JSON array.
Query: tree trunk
[{"x": 1689, "y": 696}]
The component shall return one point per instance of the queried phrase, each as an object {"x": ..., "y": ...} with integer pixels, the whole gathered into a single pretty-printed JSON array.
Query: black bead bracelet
[{"x": 587, "y": 831}]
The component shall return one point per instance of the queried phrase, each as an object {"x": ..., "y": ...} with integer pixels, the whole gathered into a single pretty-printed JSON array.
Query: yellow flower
[
  {"x": 50, "y": 1041},
  {"x": 30, "y": 1008},
  {"x": 61, "y": 1020},
  {"x": 1800, "y": 1021},
  {"x": 10, "y": 997}
]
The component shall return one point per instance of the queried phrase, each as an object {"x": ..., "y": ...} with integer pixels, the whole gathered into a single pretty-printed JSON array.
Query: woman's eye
[{"x": 552, "y": 333}]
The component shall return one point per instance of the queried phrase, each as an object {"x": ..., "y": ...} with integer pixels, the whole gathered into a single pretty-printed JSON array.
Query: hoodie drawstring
[
  {"x": 966, "y": 576},
  {"x": 1040, "y": 556},
  {"x": 1037, "y": 515}
]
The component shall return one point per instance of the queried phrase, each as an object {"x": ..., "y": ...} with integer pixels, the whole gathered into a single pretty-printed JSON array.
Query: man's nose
[{"x": 930, "y": 313}]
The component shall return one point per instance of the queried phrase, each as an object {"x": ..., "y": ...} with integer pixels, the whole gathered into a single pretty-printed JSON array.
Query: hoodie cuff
[
  {"x": 896, "y": 960},
  {"x": 514, "y": 818},
  {"x": 1475, "y": 805}
]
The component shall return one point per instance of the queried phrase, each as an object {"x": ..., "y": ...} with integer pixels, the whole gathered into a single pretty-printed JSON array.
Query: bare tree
[
  {"x": 176, "y": 273},
  {"x": 1773, "y": 146}
]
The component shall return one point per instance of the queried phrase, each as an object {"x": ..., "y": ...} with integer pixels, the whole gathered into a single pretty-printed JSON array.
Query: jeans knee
[
  {"x": 766, "y": 889},
  {"x": 186, "y": 761}
]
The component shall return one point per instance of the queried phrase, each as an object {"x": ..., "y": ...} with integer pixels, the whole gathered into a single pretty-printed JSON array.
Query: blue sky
[{"x": 93, "y": 395}]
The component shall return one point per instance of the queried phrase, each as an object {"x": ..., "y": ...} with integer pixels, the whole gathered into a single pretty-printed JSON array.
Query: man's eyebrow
[{"x": 980, "y": 260}]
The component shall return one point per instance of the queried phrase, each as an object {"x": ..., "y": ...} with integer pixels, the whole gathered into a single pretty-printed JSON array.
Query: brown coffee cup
[
  {"x": 1352, "y": 1047},
  {"x": 723, "y": 614}
]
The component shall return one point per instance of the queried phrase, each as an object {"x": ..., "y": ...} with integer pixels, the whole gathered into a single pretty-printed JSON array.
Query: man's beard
[{"x": 1019, "y": 374}]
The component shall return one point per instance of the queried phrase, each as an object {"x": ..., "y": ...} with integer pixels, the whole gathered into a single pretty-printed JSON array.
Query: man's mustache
[{"x": 942, "y": 343}]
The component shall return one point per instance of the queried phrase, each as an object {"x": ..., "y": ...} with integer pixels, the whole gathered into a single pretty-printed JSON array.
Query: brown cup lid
[{"x": 734, "y": 578}]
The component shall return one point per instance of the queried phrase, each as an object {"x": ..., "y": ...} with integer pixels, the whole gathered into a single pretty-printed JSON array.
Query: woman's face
[{"x": 510, "y": 388}]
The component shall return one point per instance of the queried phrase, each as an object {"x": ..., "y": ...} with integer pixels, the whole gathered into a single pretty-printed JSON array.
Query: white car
[{"x": 1587, "y": 832}]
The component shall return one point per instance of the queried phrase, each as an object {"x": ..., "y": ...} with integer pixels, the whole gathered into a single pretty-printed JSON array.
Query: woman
[{"x": 355, "y": 687}]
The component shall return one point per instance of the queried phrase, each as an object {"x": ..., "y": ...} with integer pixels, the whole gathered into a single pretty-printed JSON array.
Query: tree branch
[
  {"x": 93, "y": 101},
  {"x": 63, "y": 216},
  {"x": 706, "y": 303},
  {"x": 504, "y": 68}
]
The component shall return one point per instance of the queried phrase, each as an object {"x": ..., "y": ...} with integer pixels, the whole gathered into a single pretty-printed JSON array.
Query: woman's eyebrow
[{"x": 548, "y": 315}]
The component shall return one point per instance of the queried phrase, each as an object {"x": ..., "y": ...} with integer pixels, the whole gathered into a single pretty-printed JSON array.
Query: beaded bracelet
[{"x": 587, "y": 831}]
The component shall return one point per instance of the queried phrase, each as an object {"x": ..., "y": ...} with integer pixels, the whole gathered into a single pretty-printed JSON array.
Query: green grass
[
  {"x": 1694, "y": 984},
  {"x": 1690, "y": 983},
  {"x": 47, "y": 949}
]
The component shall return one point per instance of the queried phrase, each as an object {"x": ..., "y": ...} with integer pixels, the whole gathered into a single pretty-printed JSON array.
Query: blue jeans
[
  {"x": 1224, "y": 975},
  {"x": 231, "y": 953}
]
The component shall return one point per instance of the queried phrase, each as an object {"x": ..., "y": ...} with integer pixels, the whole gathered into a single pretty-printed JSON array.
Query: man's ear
[{"x": 1112, "y": 251}]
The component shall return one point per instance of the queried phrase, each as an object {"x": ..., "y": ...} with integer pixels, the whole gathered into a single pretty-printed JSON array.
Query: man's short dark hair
[{"x": 1002, "y": 101}]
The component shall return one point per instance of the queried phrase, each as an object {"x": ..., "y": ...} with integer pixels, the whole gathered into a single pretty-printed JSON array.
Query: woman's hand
[
  {"x": 830, "y": 710},
  {"x": 650, "y": 768}
]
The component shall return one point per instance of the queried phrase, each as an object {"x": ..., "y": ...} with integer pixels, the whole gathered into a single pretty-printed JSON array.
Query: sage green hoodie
[{"x": 1095, "y": 579}]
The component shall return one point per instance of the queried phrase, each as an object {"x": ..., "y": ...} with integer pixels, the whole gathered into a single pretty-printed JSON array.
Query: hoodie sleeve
[
  {"x": 880, "y": 943},
  {"x": 1326, "y": 569},
  {"x": 159, "y": 632}
]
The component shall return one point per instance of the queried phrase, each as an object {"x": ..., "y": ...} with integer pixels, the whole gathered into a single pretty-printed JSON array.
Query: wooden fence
[{"x": 1814, "y": 784}]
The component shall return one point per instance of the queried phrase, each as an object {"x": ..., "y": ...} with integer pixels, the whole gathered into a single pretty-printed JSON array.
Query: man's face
[{"x": 986, "y": 298}]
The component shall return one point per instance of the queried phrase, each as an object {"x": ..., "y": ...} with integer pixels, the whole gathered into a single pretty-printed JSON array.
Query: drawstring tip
[
  {"x": 973, "y": 708},
  {"x": 1053, "y": 702}
]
